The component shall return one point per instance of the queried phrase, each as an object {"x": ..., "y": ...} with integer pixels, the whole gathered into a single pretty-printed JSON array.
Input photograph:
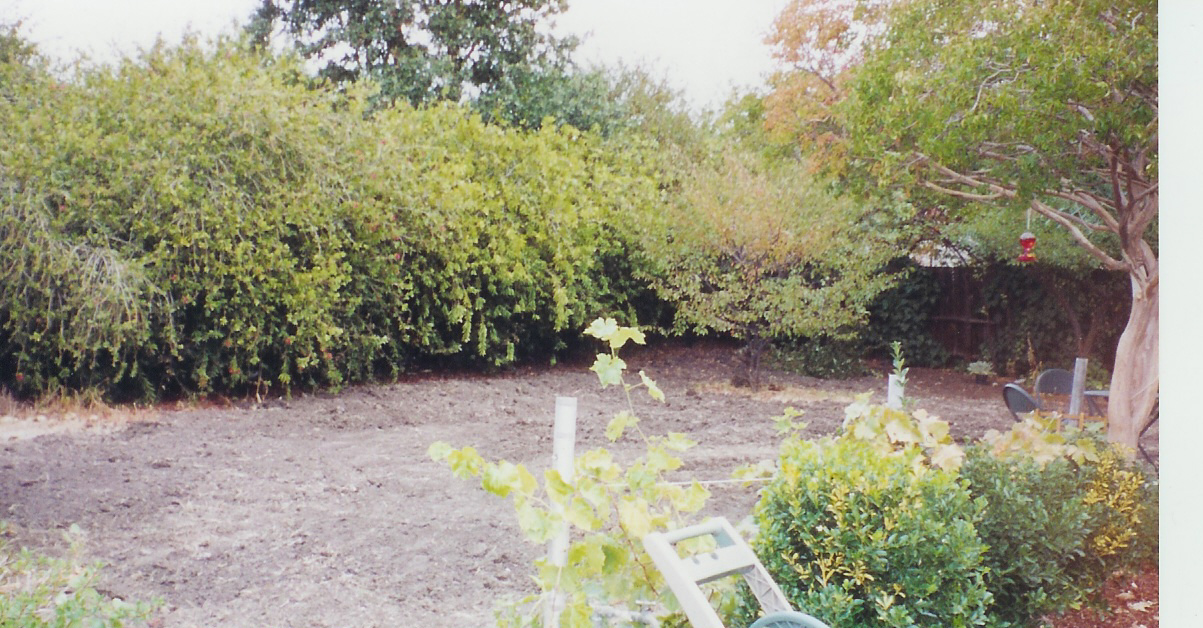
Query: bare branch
[
  {"x": 982, "y": 87},
  {"x": 1071, "y": 223},
  {"x": 960, "y": 194},
  {"x": 1080, "y": 108},
  {"x": 1062, "y": 219},
  {"x": 1098, "y": 206}
]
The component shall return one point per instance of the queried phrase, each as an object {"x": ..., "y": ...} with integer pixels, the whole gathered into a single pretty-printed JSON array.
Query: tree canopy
[
  {"x": 1018, "y": 106},
  {"x": 422, "y": 51}
]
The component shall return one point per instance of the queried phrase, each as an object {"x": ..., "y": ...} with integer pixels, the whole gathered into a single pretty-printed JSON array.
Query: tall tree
[
  {"x": 1030, "y": 106},
  {"x": 421, "y": 50},
  {"x": 819, "y": 44}
]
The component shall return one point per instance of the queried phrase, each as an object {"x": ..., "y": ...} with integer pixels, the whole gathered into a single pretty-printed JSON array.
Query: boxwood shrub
[
  {"x": 856, "y": 537},
  {"x": 1035, "y": 527}
]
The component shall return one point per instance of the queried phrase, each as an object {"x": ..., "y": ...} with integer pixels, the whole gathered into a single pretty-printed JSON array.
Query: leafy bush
[
  {"x": 1123, "y": 505},
  {"x": 1034, "y": 312},
  {"x": 856, "y": 537},
  {"x": 1064, "y": 510},
  {"x": 1034, "y": 526},
  {"x": 199, "y": 219},
  {"x": 751, "y": 249},
  {"x": 905, "y": 312},
  {"x": 38, "y": 591}
]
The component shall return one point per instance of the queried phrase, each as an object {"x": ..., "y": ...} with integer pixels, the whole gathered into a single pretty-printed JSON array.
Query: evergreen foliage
[
  {"x": 199, "y": 220},
  {"x": 423, "y": 51}
]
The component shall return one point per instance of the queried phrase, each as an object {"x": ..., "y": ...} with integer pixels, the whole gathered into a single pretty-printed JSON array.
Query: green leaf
[
  {"x": 537, "y": 524},
  {"x": 785, "y": 423},
  {"x": 557, "y": 489},
  {"x": 500, "y": 479}
]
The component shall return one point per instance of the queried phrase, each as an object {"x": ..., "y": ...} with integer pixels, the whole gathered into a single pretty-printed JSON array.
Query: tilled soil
[{"x": 326, "y": 511}]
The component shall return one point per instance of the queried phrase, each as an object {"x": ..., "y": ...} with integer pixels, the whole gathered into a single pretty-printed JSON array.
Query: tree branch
[
  {"x": 1060, "y": 218},
  {"x": 1069, "y": 222},
  {"x": 959, "y": 194}
]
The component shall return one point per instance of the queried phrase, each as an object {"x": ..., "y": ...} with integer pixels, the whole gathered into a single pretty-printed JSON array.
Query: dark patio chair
[
  {"x": 1019, "y": 401},
  {"x": 1054, "y": 382}
]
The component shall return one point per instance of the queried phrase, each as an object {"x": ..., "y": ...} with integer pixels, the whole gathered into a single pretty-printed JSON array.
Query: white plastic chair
[{"x": 732, "y": 556}]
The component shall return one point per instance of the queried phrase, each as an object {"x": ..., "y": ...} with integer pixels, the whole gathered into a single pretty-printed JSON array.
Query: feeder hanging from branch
[{"x": 1027, "y": 241}]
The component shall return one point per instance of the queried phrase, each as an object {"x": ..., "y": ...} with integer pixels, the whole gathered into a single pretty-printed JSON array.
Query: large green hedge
[{"x": 201, "y": 218}]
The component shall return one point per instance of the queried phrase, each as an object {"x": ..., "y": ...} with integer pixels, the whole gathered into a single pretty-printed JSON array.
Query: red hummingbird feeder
[{"x": 1028, "y": 242}]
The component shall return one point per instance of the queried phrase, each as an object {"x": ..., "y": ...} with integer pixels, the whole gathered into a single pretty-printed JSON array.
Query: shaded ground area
[{"x": 325, "y": 510}]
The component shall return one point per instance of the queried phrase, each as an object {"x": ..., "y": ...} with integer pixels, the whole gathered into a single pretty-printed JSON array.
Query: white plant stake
[{"x": 563, "y": 454}]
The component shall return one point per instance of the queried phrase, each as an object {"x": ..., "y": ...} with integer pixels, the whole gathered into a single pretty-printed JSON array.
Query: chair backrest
[
  {"x": 1019, "y": 401},
  {"x": 731, "y": 556},
  {"x": 1055, "y": 382}
]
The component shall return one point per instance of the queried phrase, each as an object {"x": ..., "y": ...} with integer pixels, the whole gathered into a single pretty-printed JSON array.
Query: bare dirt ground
[{"x": 326, "y": 511}]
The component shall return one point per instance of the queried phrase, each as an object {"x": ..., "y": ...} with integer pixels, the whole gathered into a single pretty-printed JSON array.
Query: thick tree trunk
[{"x": 1135, "y": 381}]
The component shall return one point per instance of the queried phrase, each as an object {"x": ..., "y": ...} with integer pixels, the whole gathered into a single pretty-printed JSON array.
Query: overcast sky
[{"x": 704, "y": 47}]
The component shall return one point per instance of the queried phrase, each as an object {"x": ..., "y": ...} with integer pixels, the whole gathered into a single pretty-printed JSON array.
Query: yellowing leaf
[
  {"x": 900, "y": 430},
  {"x": 538, "y": 524},
  {"x": 760, "y": 470},
  {"x": 933, "y": 430},
  {"x": 602, "y": 328},
  {"x": 438, "y": 451},
  {"x": 500, "y": 479},
  {"x": 948, "y": 457},
  {"x": 609, "y": 369},
  {"x": 659, "y": 460},
  {"x": 589, "y": 554},
  {"x": 527, "y": 484},
  {"x": 652, "y": 389},
  {"x": 623, "y": 334},
  {"x": 863, "y": 430},
  {"x": 677, "y": 441},
  {"x": 581, "y": 515},
  {"x": 598, "y": 463},
  {"x": 465, "y": 462},
  {"x": 694, "y": 498},
  {"x": 619, "y": 424},
  {"x": 557, "y": 489},
  {"x": 634, "y": 517}
]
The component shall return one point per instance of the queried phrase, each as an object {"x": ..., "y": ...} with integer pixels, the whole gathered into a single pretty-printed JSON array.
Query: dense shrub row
[
  {"x": 858, "y": 536},
  {"x": 202, "y": 219}
]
